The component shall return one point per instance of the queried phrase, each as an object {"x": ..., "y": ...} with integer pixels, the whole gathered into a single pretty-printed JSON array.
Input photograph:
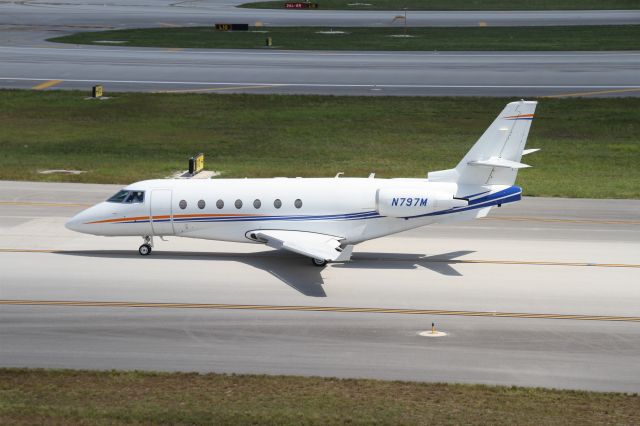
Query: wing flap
[{"x": 311, "y": 244}]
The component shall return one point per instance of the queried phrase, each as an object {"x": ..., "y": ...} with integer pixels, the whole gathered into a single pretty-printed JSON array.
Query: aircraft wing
[{"x": 311, "y": 244}]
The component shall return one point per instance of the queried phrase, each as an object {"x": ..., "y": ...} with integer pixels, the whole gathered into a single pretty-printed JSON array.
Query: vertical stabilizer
[{"x": 495, "y": 157}]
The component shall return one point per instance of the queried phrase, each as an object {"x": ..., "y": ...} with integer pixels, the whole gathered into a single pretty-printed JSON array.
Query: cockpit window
[
  {"x": 119, "y": 197},
  {"x": 135, "y": 197},
  {"x": 127, "y": 197}
]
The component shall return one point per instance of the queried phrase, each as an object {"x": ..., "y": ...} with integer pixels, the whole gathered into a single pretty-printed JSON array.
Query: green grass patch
[
  {"x": 590, "y": 147},
  {"x": 609, "y": 37},
  {"x": 97, "y": 398},
  {"x": 458, "y": 4}
]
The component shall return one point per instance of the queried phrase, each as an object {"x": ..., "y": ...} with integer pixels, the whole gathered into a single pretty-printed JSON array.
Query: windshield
[{"x": 125, "y": 196}]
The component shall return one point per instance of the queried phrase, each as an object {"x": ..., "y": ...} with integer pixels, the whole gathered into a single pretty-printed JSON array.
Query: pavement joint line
[
  {"x": 417, "y": 261},
  {"x": 46, "y": 84},
  {"x": 338, "y": 309}
]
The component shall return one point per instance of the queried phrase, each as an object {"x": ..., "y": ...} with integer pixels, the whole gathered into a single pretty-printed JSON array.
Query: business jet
[{"x": 321, "y": 218}]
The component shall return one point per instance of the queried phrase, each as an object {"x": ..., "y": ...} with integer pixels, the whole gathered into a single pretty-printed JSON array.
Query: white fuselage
[{"x": 343, "y": 207}]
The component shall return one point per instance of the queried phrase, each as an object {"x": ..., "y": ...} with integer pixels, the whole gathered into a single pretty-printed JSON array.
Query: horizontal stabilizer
[
  {"x": 530, "y": 151},
  {"x": 498, "y": 162}
]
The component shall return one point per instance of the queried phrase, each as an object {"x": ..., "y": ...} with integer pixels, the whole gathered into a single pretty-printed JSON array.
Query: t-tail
[{"x": 495, "y": 157}]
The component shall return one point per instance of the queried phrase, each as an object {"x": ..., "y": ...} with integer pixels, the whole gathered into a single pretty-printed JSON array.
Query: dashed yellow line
[
  {"x": 559, "y": 220},
  {"x": 8, "y": 250},
  {"x": 80, "y": 303},
  {"x": 42, "y": 204},
  {"x": 46, "y": 84},
  {"x": 539, "y": 263},
  {"x": 215, "y": 89},
  {"x": 597, "y": 92},
  {"x": 423, "y": 260}
]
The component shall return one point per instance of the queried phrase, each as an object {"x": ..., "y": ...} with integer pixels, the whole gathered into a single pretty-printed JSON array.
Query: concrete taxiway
[{"x": 542, "y": 293}]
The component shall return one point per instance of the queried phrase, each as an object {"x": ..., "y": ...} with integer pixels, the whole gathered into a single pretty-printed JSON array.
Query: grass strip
[
  {"x": 590, "y": 147},
  {"x": 605, "y": 37},
  {"x": 458, "y": 4},
  {"x": 113, "y": 397}
]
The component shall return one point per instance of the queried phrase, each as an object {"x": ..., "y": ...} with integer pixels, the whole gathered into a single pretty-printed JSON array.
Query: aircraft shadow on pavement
[
  {"x": 440, "y": 263},
  {"x": 296, "y": 271}
]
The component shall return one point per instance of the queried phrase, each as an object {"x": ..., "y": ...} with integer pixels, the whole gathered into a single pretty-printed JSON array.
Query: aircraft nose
[
  {"x": 79, "y": 223},
  {"x": 75, "y": 223}
]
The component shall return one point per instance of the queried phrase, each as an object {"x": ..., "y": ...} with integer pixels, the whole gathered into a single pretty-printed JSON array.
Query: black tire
[
  {"x": 319, "y": 262},
  {"x": 144, "y": 250}
]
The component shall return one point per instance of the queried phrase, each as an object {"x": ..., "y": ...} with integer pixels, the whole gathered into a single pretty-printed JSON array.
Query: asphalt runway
[
  {"x": 27, "y": 61},
  {"x": 542, "y": 293},
  {"x": 74, "y": 15},
  {"x": 518, "y": 74}
]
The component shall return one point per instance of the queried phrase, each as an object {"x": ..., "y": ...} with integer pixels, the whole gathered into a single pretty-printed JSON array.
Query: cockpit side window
[
  {"x": 119, "y": 197},
  {"x": 135, "y": 197},
  {"x": 128, "y": 197}
]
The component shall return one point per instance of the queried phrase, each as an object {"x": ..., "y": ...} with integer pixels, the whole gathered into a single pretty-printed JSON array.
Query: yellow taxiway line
[
  {"x": 42, "y": 204},
  {"x": 82, "y": 303},
  {"x": 215, "y": 89},
  {"x": 559, "y": 220},
  {"x": 507, "y": 218},
  {"x": 46, "y": 84},
  {"x": 417, "y": 261},
  {"x": 597, "y": 92}
]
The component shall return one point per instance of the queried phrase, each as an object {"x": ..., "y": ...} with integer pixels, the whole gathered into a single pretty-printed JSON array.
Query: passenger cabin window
[
  {"x": 257, "y": 203},
  {"x": 238, "y": 204},
  {"x": 201, "y": 204},
  {"x": 220, "y": 204},
  {"x": 182, "y": 204},
  {"x": 127, "y": 197},
  {"x": 298, "y": 203},
  {"x": 277, "y": 203}
]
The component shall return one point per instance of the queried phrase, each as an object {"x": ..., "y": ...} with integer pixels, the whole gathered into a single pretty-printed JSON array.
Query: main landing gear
[
  {"x": 145, "y": 248},
  {"x": 318, "y": 262}
]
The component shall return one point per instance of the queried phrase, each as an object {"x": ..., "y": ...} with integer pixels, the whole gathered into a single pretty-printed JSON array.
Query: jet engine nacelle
[{"x": 407, "y": 202}]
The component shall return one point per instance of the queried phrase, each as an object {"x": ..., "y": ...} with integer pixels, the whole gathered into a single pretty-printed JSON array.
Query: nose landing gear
[{"x": 145, "y": 248}]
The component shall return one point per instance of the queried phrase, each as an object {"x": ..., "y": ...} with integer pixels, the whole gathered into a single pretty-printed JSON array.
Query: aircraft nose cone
[
  {"x": 78, "y": 223},
  {"x": 74, "y": 224}
]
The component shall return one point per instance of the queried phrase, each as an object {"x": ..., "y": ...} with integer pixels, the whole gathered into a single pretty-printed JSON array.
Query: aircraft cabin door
[{"x": 161, "y": 217}]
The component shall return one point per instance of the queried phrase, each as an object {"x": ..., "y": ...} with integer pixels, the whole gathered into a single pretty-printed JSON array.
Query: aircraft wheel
[
  {"x": 319, "y": 262},
  {"x": 144, "y": 250}
]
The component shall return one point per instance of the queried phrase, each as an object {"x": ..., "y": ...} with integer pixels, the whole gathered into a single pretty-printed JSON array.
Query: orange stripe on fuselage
[
  {"x": 119, "y": 220},
  {"x": 178, "y": 216}
]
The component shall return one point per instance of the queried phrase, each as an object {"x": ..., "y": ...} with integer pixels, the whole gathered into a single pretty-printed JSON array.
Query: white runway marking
[{"x": 395, "y": 86}]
